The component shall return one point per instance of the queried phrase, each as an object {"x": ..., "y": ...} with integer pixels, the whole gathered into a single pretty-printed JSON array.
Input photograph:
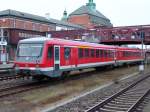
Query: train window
[
  {"x": 105, "y": 54},
  {"x": 127, "y": 54},
  {"x": 97, "y": 53},
  {"x": 86, "y": 52},
  {"x": 32, "y": 50},
  {"x": 135, "y": 53},
  {"x": 80, "y": 52},
  {"x": 67, "y": 52},
  {"x": 120, "y": 54},
  {"x": 50, "y": 52},
  {"x": 57, "y": 53},
  {"x": 124, "y": 53},
  {"x": 92, "y": 53},
  {"x": 109, "y": 54},
  {"x": 112, "y": 54},
  {"x": 101, "y": 53}
]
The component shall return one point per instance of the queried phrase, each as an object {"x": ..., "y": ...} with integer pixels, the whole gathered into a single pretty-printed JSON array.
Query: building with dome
[{"x": 88, "y": 16}]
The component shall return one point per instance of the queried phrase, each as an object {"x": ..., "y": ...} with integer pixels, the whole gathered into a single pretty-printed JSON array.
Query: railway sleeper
[
  {"x": 128, "y": 98},
  {"x": 109, "y": 110},
  {"x": 119, "y": 104},
  {"x": 116, "y": 108},
  {"x": 136, "y": 90},
  {"x": 132, "y": 95}
]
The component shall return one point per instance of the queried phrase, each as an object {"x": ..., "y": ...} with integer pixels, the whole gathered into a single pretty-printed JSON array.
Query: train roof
[
  {"x": 36, "y": 39},
  {"x": 64, "y": 42},
  {"x": 128, "y": 48}
]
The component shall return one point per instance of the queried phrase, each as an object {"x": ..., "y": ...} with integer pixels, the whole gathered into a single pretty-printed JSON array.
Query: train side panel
[
  {"x": 61, "y": 56},
  {"x": 128, "y": 55}
]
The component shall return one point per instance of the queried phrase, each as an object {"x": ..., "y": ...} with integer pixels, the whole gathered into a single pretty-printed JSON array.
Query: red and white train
[{"x": 53, "y": 57}]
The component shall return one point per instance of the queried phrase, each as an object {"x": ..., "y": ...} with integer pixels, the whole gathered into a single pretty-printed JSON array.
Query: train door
[{"x": 56, "y": 58}]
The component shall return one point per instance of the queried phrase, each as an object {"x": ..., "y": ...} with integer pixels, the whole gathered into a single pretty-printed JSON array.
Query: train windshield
[{"x": 33, "y": 50}]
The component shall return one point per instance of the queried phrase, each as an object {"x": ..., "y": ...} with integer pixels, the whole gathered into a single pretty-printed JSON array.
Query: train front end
[{"x": 28, "y": 60}]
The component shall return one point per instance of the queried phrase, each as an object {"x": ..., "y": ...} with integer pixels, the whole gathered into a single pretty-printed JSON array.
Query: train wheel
[
  {"x": 65, "y": 74},
  {"x": 100, "y": 68},
  {"x": 38, "y": 78}
]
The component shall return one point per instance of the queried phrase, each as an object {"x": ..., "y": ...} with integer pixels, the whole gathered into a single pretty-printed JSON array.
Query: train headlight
[
  {"x": 37, "y": 66},
  {"x": 17, "y": 66}
]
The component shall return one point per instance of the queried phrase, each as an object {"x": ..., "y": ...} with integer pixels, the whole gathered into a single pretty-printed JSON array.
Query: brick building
[
  {"x": 88, "y": 16},
  {"x": 15, "y": 25}
]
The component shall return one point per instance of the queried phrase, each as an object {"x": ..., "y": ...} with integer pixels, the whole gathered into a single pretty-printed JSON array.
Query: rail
[{"x": 99, "y": 106}]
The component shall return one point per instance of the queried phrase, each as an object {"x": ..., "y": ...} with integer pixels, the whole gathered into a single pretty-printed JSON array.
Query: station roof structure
[{"x": 23, "y": 15}]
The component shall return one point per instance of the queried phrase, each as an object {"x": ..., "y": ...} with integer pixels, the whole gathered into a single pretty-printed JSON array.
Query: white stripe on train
[
  {"x": 79, "y": 65},
  {"x": 36, "y": 68}
]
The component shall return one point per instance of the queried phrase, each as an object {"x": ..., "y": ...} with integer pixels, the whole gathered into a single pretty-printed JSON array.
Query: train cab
[{"x": 30, "y": 56}]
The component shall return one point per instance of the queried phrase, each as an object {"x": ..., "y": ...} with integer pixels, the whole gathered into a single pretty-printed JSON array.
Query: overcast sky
[{"x": 120, "y": 12}]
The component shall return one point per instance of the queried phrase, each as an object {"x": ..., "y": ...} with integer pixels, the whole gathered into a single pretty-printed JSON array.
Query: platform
[{"x": 6, "y": 67}]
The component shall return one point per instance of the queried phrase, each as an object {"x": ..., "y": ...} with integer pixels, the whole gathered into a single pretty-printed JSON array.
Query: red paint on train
[{"x": 53, "y": 57}]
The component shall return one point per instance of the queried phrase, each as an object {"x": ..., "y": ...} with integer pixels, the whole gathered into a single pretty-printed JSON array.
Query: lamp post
[
  {"x": 142, "y": 35},
  {"x": 3, "y": 44},
  {"x": 142, "y": 42}
]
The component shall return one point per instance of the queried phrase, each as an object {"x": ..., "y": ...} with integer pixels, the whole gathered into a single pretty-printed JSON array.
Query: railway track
[
  {"x": 126, "y": 100},
  {"x": 10, "y": 77},
  {"x": 29, "y": 84},
  {"x": 20, "y": 87},
  {"x": 8, "y": 73}
]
